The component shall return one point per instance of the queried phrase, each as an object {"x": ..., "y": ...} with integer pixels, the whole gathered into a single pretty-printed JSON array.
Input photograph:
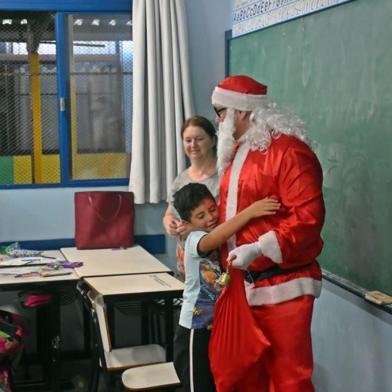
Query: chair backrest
[
  {"x": 101, "y": 313},
  {"x": 119, "y": 358},
  {"x": 100, "y": 336}
]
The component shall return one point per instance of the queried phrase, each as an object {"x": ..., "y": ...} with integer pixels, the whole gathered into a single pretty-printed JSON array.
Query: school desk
[
  {"x": 104, "y": 262},
  {"x": 151, "y": 286},
  {"x": 107, "y": 262},
  {"x": 50, "y": 285}
]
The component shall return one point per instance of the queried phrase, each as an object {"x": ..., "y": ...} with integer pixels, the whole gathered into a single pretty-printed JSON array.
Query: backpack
[{"x": 11, "y": 346}]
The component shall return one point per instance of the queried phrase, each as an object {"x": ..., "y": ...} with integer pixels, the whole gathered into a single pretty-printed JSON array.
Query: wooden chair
[
  {"x": 161, "y": 376},
  {"x": 108, "y": 360}
]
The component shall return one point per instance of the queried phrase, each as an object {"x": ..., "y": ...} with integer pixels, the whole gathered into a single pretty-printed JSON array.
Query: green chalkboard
[{"x": 334, "y": 69}]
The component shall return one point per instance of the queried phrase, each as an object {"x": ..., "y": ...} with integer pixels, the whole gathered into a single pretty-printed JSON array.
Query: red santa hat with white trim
[{"x": 239, "y": 92}]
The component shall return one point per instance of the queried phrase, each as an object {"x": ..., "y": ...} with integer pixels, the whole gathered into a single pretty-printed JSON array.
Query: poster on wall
[{"x": 251, "y": 15}]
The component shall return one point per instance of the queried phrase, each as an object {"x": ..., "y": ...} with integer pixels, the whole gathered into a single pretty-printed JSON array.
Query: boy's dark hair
[{"x": 189, "y": 197}]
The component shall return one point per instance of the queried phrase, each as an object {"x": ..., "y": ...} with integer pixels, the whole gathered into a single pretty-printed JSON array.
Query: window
[{"x": 65, "y": 107}]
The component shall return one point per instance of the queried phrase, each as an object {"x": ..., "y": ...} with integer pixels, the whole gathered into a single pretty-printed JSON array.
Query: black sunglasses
[{"x": 219, "y": 111}]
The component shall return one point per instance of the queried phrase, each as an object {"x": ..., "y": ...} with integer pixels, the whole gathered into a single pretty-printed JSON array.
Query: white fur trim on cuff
[
  {"x": 270, "y": 246},
  {"x": 282, "y": 292},
  {"x": 238, "y": 101}
]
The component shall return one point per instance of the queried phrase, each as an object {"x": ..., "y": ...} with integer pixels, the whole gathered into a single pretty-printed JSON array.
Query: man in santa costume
[{"x": 263, "y": 151}]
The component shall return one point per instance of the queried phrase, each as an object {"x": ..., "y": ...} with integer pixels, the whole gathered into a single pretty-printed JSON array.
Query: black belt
[{"x": 254, "y": 276}]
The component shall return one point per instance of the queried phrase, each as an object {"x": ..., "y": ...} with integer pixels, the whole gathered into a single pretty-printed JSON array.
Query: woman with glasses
[{"x": 199, "y": 142}]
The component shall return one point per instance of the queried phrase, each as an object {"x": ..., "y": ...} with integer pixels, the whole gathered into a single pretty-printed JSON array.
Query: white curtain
[{"x": 162, "y": 96}]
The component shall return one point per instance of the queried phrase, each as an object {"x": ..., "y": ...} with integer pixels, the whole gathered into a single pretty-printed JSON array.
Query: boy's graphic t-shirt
[{"x": 201, "y": 290}]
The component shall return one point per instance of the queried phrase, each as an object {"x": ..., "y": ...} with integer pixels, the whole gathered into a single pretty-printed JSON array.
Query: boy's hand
[{"x": 266, "y": 206}]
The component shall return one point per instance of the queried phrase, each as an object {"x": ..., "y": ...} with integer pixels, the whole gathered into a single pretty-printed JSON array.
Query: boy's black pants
[{"x": 191, "y": 359}]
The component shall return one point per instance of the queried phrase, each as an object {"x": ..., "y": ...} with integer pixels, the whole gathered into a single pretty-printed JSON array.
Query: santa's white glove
[{"x": 242, "y": 256}]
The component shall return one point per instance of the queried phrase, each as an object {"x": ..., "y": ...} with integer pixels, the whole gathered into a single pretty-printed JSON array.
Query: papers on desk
[
  {"x": 36, "y": 266},
  {"x": 30, "y": 268},
  {"x": 28, "y": 272},
  {"x": 23, "y": 261},
  {"x": 17, "y": 271}
]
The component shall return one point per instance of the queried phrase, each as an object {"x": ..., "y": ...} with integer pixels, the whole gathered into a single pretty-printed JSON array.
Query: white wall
[
  {"x": 352, "y": 341},
  {"x": 44, "y": 214},
  {"x": 207, "y": 21}
]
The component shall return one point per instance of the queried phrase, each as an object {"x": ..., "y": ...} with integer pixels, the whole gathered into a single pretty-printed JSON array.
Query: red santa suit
[
  {"x": 289, "y": 171},
  {"x": 290, "y": 241}
]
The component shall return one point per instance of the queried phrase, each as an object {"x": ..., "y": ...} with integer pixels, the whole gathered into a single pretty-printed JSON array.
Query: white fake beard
[{"x": 226, "y": 142}]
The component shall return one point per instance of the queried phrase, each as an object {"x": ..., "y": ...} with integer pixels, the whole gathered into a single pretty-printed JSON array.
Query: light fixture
[
  {"x": 23, "y": 21},
  {"x": 129, "y": 23},
  {"x": 78, "y": 22},
  {"x": 95, "y": 22},
  {"x": 113, "y": 22},
  {"x": 7, "y": 21}
]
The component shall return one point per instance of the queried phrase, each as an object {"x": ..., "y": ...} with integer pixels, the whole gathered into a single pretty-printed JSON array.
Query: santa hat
[{"x": 239, "y": 92}]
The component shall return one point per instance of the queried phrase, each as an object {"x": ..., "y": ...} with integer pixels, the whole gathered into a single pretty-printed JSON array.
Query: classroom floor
[
  {"x": 78, "y": 373},
  {"x": 75, "y": 378}
]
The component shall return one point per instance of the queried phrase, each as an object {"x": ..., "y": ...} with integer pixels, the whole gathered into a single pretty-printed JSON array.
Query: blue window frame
[
  {"x": 66, "y": 100},
  {"x": 68, "y": 5}
]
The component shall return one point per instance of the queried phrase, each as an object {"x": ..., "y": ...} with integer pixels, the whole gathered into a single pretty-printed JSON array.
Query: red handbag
[{"x": 104, "y": 219}]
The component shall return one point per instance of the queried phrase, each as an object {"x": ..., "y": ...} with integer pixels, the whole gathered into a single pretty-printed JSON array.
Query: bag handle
[{"x": 90, "y": 200}]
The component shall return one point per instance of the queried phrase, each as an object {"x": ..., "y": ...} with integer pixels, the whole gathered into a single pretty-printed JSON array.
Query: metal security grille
[
  {"x": 101, "y": 95},
  {"x": 28, "y": 116}
]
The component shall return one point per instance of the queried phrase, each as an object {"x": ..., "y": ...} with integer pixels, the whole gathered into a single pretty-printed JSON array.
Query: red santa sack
[{"x": 236, "y": 342}]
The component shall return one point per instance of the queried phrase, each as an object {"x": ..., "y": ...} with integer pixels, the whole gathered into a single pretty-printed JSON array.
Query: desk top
[
  {"x": 134, "y": 284},
  {"x": 104, "y": 262},
  {"x": 11, "y": 280}
]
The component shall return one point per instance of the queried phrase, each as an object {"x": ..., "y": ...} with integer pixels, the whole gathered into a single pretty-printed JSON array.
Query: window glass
[
  {"x": 100, "y": 95},
  {"x": 29, "y": 141}
]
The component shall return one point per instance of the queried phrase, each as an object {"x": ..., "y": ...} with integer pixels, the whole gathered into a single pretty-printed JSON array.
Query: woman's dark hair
[
  {"x": 201, "y": 122},
  {"x": 189, "y": 197}
]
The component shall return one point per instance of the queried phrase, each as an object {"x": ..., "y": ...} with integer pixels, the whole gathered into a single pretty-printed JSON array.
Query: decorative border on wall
[{"x": 251, "y": 15}]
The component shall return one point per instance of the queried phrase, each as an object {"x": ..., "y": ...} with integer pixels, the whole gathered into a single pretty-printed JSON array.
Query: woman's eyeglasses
[{"x": 219, "y": 111}]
